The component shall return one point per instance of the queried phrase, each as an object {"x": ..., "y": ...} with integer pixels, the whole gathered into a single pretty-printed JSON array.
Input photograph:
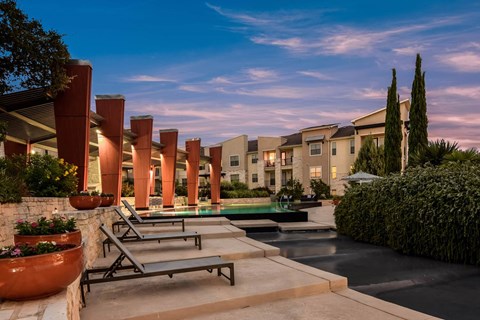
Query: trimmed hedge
[{"x": 433, "y": 212}]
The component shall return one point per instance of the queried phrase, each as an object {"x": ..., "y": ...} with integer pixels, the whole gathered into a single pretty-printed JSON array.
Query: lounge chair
[
  {"x": 138, "y": 236},
  {"x": 137, "y": 219},
  {"x": 140, "y": 270}
]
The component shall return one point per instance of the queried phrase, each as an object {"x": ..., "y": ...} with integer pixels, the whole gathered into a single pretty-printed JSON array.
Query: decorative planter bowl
[
  {"x": 74, "y": 237},
  {"x": 85, "y": 202},
  {"x": 39, "y": 276},
  {"x": 106, "y": 201}
]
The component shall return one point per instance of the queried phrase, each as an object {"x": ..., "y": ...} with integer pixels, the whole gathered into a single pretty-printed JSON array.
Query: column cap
[
  {"x": 192, "y": 139},
  {"x": 109, "y": 97},
  {"x": 79, "y": 62},
  {"x": 168, "y": 130},
  {"x": 141, "y": 117}
]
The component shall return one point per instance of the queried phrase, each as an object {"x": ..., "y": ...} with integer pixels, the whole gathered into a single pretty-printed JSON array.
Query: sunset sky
[{"x": 219, "y": 69}]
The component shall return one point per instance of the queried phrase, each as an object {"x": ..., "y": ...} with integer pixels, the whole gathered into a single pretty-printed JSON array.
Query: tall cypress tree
[
  {"x": 393, "y": 130},
  {"x": 418, "y": 136}
]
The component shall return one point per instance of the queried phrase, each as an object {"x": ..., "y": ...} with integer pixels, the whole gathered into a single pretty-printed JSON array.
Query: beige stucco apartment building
[{"x": 324, "y": 152}]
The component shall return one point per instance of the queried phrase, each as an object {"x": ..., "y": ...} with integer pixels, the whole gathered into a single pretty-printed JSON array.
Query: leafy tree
[
  {"x": 434, "y": 154},
  {"x": 320, "y": 188},
  {"x": 293, "y": 188},
  {"x": 418, "y": 135},
  {"x": 370, "y": 158},
  {"x": 30, "y": 56},
  {"x": 393, "y": 130}
]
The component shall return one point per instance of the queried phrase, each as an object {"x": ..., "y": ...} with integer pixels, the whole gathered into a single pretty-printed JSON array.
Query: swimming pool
[{"x": 273, "y": 211}]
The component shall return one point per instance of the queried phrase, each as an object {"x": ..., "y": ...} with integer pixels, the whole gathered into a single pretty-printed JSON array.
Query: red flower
[{"x": 34, "y": 224}]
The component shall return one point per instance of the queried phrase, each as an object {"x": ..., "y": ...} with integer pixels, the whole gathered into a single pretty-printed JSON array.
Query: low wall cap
[
  {"x": 168, "y": 130},
  {"x": 141, "y": 117},
  {"x": 109, "y": 97},
  {"x": 79, "y": 62}
]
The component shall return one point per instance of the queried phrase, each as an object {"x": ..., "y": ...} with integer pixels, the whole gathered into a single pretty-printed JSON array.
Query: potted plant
[
  {"x": 58, "y": 229},
  {"x": 107, "y": 199},
  {"x": 36, "y": 271},
  {"x": 85, "y": 200}
]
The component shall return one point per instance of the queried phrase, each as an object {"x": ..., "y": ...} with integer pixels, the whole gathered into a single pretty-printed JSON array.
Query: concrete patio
[{"x": 267, "y": 285}]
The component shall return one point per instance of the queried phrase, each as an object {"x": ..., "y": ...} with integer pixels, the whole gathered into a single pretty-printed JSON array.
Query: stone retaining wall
[
  {"x": 30, "y": 208},
  {"x": 67, "y": 304}
]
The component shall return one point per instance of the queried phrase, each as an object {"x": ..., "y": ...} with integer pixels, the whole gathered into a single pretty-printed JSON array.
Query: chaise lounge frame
[
  {"x": 137, "y": 219},
  {"x": 138, "y": 236},
  {"x": 115, "y": 272}
]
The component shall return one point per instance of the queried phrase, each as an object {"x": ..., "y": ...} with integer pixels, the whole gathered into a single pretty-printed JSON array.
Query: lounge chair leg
[
  {"x": 183, "y": 225},
  {"x": 199, "y": 243},
  {"x": 232, "y": 275}
]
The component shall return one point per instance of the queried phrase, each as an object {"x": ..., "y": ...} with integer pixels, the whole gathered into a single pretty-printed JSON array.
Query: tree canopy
[{"x": 30, "y": 57}]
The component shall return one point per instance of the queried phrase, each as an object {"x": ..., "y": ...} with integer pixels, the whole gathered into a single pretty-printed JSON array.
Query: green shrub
[
  {"x": 432, "y": 211},
  {"x": 128, "y": 189},
  {"x": 47, "y": 176},
  {"x": 293, "y": 188},
  {"x": 12, "y": 185},
  {"x": 320, "y": 188}
]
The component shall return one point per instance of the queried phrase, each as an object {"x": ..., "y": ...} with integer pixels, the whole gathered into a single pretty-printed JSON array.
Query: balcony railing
[
  {"x": 269, "y": 163},
  {"x": 287, "y": 161}
]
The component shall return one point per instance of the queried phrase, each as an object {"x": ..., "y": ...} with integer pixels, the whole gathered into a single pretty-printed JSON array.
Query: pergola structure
[{"x": 68, "y": 126}]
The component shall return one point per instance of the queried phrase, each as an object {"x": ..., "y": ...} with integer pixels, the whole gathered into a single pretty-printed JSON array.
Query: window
[
  {"x": 352, "y": 146},
  {"x": 315, "y": 172},
  {"x": 254, "y": 158},
  {"x": 234, "y": 161},
  {"x": 254, "y": 177},
  {"x": 234, "y": 178},
  {"x": 269, "y": 158},
  {"x": 334, "y": 172},
  {"x": 272, "y": 179},
  {"x": 334, "y": 148},
  {"x": 184, "y": 182},
  {"x": 315, "y": 149}
]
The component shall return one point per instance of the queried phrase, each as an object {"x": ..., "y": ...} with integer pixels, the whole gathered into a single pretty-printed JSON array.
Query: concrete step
[
  {"x": 303, "y": 226},
  {"x": 263, "y": 224}
]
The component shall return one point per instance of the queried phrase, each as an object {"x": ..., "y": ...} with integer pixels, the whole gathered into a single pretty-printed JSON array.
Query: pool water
[
  {"x": 220, "y": 210},
  {"x": 276, "y": 212}
]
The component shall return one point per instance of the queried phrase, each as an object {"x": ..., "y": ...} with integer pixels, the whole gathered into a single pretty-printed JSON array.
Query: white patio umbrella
[{"x": 361, "y": 177}]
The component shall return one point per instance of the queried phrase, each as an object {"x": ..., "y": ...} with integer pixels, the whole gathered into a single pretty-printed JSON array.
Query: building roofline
[
  {"x": 378, "y": 110},
  {"x": 325, "y": 126}
]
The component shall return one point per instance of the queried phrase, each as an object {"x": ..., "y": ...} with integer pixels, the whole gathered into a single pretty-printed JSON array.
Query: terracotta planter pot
[
  {"x": 39, "y": 276},
  {"x": 106, "y": 201},
  {"x": 85, "y": 202},
  {"x": 74, "y": 237}
]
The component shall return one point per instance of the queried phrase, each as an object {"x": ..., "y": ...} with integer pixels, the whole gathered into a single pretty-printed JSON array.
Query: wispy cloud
[
  {"x": 239, "y": 17},
  {"x": 409, "y": 51},
  {"x": 147, "y": 78},
  {"x": 316, "y": 75},
  {"x": 462, "y": 61},
  {"x": 276, "y": 92},
  {"x": 294, "y": 44},
  {"x": 193, "y": 88},
  {"x": 261, "y": 74},
  {"x": 469, "y": 92},
  {"x": 220, "y": 80},
  {"x": 314, "y": 36},
  {"x": 368, "y": 93}
]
